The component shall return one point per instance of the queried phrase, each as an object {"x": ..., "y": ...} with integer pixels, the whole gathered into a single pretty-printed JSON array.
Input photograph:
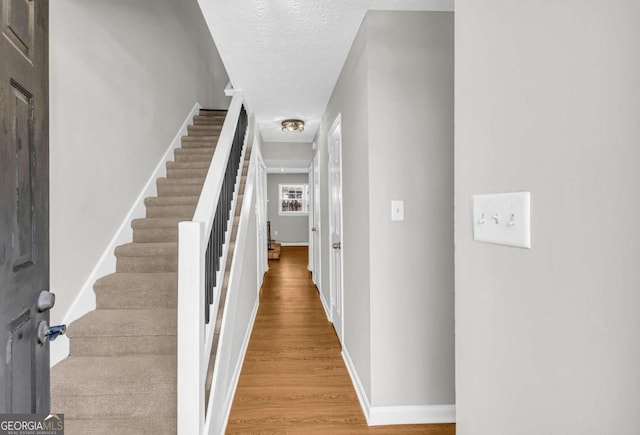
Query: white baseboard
[
  {"x": 85, "y": 302},
  {"x": 389, "y": 415},
  {"x": 357, "y": 384},
  {"x": 294, "y": 243},
  {"x": 325, "y": 305},
  {"x": 238, "y": 369},
  {"x": 425, "y": 414}
]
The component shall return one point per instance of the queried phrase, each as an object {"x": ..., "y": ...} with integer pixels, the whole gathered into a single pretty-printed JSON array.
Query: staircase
[{"x": 120, "y": 377}]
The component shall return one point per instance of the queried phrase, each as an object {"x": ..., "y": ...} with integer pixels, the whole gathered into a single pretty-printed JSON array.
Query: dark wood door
[{"x": 24, "y": 204}]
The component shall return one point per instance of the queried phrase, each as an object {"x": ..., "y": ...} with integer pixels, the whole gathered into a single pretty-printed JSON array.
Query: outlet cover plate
[{"x": 503, "y": 219}]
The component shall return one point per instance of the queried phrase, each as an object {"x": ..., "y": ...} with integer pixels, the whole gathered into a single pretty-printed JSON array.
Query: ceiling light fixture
[{"x": 292, "y": 125}]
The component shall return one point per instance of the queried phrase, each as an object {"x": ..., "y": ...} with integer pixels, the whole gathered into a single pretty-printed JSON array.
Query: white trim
[
  {"x": 85, "y": 302},
  {"x": 238, "y": 369},
  {"x": 324, "y": 304},
  {"x": 294, "y": 243},
  {"x": 426, "y": 414},
  {"x": 357, "y": 384},
  {"x": 391, "y": 415}
]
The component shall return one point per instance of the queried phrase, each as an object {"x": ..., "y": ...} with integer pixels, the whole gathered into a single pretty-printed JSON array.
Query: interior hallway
[{"x": 293, "y": 379}]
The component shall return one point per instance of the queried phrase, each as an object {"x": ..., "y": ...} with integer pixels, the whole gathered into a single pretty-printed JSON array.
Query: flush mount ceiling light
[{"x": 292, "y": 125}]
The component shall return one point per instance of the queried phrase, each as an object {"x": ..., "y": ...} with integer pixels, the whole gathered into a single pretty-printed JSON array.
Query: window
[{"x": 294, "y": 199}]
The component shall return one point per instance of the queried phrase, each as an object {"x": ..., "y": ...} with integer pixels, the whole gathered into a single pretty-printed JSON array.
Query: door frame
[
  {"x": 332, "y": 291},
  {"x": 316, "y": 236}
]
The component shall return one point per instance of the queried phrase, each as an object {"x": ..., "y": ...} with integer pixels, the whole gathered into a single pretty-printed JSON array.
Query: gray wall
[
  {"x": 123, "y": 77},
  {"x": 291, "y": 229},
  {"x": 398, "y": 276},
  {"x": 286, "y": 151},
  {"x": 351, "y": 98},
  {"x": 547, "y": 100}
]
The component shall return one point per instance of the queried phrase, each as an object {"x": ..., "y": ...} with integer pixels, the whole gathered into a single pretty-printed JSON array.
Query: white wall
[
  {"x": 395, "y": 94},
  {"x": 547, "y": 100},
  {"x": 123, "y": 77},
  {"x": 290, "y": 229}
]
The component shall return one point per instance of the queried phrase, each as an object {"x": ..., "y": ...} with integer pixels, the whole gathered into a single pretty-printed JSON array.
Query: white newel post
[{"x": 191, "y": 304}]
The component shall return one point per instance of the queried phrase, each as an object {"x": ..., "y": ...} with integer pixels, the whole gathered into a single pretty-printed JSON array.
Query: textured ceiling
[{"x": 287, "y": 54}]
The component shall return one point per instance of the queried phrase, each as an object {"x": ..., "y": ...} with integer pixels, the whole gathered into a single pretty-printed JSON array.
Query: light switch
[
  {"x": 503, "y": 219},
  {"x": 397, "y": 210}
]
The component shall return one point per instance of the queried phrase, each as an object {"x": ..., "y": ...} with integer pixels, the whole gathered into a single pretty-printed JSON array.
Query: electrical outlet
[{"x": 503, "y": 219}]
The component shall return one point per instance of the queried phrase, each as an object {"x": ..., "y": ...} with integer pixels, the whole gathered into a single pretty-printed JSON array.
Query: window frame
[{"x": 304, "y": 199}]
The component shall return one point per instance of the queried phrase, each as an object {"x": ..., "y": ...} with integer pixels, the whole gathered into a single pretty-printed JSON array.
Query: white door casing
[
  {"x": 315, "y": 231},
  {"x": 335, "y": 224}
]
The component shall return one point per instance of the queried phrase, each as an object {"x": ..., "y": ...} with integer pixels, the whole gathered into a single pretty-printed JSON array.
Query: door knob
[
  {"x": 337, "y": 245},
  {"x": 45, "y": 332},
  {"x": 314, "y": 229},
  {"x": 46, "y": 301}
]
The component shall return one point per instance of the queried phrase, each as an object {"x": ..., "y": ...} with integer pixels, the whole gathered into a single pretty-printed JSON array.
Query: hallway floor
[{"x": 294, "y": 379}]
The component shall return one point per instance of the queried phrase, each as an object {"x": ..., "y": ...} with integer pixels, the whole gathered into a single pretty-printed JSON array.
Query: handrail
[
  {"x": 221, "y": 391},
  {"x": 201, "y": 250}
]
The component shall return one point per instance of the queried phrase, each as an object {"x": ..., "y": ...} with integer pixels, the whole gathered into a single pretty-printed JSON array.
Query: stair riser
[
  {"x": 178, "y": 190},
  {"x": 203, "y": 130},
  {"x": 149, "y": 426},
  {"x": 135, "y": 300},
  {"x": 193, "y": 157},
  {"x": 179, "y": 211},
  {"x": 147, "y": 264},
  {"x": 155, "y": 235},
  {"x": 187, "y": 173},
  {"x": 203, "y": 144},
  {"x": 159, "y": 401},
  {"x": 208, "y": 120},
  {"x": 120, "y": 346},
  {"x": 188, "y": 165}
]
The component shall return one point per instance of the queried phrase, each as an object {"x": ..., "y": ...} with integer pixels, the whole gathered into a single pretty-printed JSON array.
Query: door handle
[
  {"x": 46, "y": 301},
  {"x": 314, "y": 229},
  {"x": 337, "y": 245},
  {"x": 45, "y": 332}
]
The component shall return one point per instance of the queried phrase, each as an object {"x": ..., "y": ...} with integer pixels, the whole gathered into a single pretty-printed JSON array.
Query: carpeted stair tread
[
  {"x": 151, "y": 230},
  {"x": 166, "y": 222},
  {"x": 121, "y": 386},
  {"x": 137, "y": 291},
  {"x": 193, "y": 154},
  {"x": 204, "y": 130},
  {"x": 124, "y": 332},
  {"x": 147, "y": 257},
  {"x": 146, "y": 249},
  {"x": 164, "y": 201},
  {"x": 99, "y": 375},
  {"x": 179, "y": 181},
  {"x": 199, "y": 142},
  {"x": 124, "y": 323},
  {"x": 179, "y": 189},
  {"x": 187, "y": 173},
  {"x": 171, "y": 206},
  {"x": 156, "y": 425},
  {"x": 188, "y": 165},
  {"x": 204, "y": 111}
]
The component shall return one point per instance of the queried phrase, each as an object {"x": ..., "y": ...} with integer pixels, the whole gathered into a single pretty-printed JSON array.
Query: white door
[
  {"x": 315, "y": 228},
  {"x": 335, "y": 224}
]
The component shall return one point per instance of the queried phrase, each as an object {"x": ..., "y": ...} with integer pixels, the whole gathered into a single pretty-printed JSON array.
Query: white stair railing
[{"x": 202, "y": 252}]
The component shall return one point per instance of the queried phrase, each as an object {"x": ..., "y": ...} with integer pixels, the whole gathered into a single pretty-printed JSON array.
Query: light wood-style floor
[{"x": 294, "y": 379}]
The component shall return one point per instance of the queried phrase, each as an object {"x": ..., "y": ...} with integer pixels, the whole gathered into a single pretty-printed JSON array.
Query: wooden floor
[{"x": 294, "y": 379}]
